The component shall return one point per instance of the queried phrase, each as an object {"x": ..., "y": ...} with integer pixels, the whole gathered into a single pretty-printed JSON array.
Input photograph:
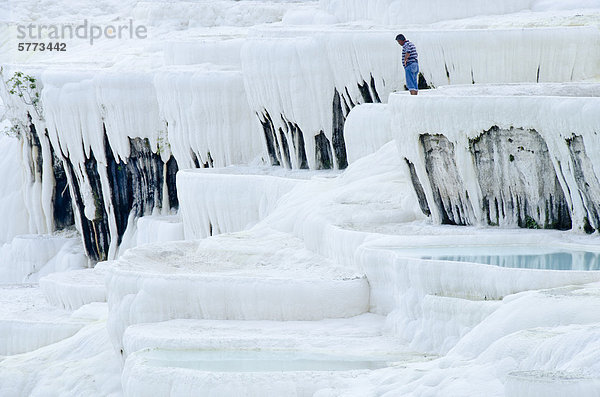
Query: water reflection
[{"x": 517, "y": 257}]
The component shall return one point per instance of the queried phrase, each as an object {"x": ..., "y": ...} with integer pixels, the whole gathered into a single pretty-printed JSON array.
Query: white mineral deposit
[{"x": 235, "y": 198}]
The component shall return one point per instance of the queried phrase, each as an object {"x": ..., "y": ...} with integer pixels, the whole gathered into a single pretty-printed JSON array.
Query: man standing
[{"x": 410, "y": 63}]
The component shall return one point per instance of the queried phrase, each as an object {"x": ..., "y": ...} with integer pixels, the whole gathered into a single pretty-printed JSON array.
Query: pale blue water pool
[
  {"x": 259, "y": 361},
  {"x": 522, "y": 257}
]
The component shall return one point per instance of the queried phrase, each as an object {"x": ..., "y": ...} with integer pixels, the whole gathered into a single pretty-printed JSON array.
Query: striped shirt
[{"x": 412, "y": 53}]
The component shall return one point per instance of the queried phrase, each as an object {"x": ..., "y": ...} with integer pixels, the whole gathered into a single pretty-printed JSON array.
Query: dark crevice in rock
[
  {"x": 339, "y": 145},
  {"x": 121, "y": 194},
  {"x": 299, "y": 148},
  {"x": 171, "y": 181},
  {"x": 287, "y": 162},
  {"x": 137, "y": 185},
  {"x": 324, "y": 159},
  {"x": 36, "y": 161},
  {"x": 351, "y": 104},
  {"x": 209, "y": 163},
  {"x": 418, "y": 188},
  {"x": 145, "y": 175},
  {"x": 62, "y": 206},
  {"x": 450, "y": 195},
  {"x": 277, "y": 139},
  {"x": 195, "y": 159},
  {"x": 87, "y": 229},
  {"x": 422, "y": 83},
  {"x": 364, "y": 92},
  {"x": 270, "y": 138},
  {"x": 446, "y": 219},
  {"x": 328, "y": 154},
  {"x": 515, "y": 172},
  {"x": 374, "y": 90},
  {"x": 587, "y": 182},
  {"x": 203, "y": 164},
  {"x": 562, "y": 176},
  {"x": 98, "y": 229},
  {"x": 346, "y": 106}
]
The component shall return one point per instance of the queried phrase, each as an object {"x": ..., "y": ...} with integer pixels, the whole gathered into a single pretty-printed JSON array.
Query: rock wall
[
  {"x": 449, "y": 192},
  {"x": 309, "y": 80},
  {"x": 518, "y": 182},
  {"x": 103, "y": 149},
  {"x": 587, "y": 182},
  {"x": 508, "y": 160}
]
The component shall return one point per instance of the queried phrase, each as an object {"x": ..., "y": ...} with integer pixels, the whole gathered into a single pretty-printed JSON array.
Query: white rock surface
[
  {"x": 231, "y": 199},
  {"x": 258, "y": 275},
  {"x": 362, "y": 335},
  {"x": 556, "y": 112},
  {"x": 73, "y": 289},
  {"x": 84, "y": 364},
  {"x": 28, "y": 322},
  {"x": 196, "y": 86},
  {"x": 27, "y": 258}
]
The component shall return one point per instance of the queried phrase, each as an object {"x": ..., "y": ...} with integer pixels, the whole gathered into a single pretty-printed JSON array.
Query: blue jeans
[{"x": 412, "y": 76}]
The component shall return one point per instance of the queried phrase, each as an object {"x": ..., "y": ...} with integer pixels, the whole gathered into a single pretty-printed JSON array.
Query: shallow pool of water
[
  {"x": 259, "y": 361},
  {"x": 513, "y": 256}
]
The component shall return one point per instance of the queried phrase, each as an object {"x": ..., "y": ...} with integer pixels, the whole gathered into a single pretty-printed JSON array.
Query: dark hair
[{"x": 400, "y": 37}]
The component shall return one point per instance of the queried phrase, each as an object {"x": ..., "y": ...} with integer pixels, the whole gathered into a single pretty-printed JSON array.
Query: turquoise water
[
  {"x": 258, "y": 361},
  {"x": 514, "y": 257}
]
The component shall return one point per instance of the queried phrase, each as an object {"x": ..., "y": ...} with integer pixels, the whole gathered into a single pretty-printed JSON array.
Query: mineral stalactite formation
[
  {"x": 504, "y": 158},
  {"x": 249, "y": 202},
  {"x": 518, "y": 181}
]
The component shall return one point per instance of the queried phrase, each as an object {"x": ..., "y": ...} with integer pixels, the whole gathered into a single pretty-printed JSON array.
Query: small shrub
[{"x": 24, "y": 87}]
